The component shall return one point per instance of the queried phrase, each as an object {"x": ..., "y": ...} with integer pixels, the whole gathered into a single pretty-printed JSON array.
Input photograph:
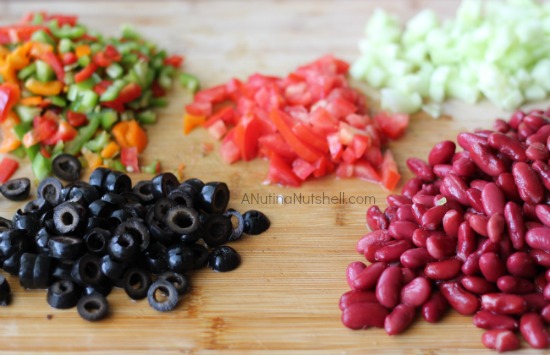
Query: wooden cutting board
[{"x": 285, "y": 294}]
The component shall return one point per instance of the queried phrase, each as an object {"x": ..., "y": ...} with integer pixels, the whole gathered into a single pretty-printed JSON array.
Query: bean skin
[
  {"x": 364, "y": 315},
  {"x": 529, "y": 186},
  {"x": 434, "y": 309},
  {"x": 461, "y": 300},
  {"x": 388, "y": 288},
  {"x": 532, "y": 329}
]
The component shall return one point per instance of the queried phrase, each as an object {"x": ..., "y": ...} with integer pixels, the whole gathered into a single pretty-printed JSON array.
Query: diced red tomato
[
  {"x": 306, "y": 134},
  {"x": 392, "y": 125},
  {"x": 218, "y": 130},
  {"x": 157, "y": 90},
  {"x": 365, "y": 171},
  {"x": 226, "y": 114},
  {"x": 68, "y": 58},
  {"x": 199, "y": 108},
  {"x": 213, "y": 95},
  {"x": 230, "y": 152},
  {"x": 8, "y": 167},
  {"x": 274, "y": 143},
  {"x": 76, "y": 119},
  {"x": 129, "y": 157},
  {"x": 280, "y": 172},
  {"x": 360, "y": 145},
  {"x": 302, "y": 168},
  {"x": 344, "y": 170},
  {"x": 389, "y": 172},
  {"x": 336, "y": 148},
  {"x": 247, "y": 133},
  {"x": 174, "y": 60},
  {"x": 44, "y": 128}
]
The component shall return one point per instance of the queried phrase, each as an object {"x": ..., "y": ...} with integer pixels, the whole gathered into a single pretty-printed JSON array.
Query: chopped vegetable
[
  {"x": 65, "y": 85},
  {"x": 490, "y": 49},
  {"x": 308, "y": 125},
  {"x": 8, "y": 166}
]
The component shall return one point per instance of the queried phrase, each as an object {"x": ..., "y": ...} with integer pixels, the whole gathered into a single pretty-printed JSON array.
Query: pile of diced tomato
[{"x": 308, "y": 124}]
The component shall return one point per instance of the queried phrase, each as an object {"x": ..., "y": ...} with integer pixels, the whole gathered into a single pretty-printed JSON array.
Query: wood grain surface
[{"x": 285, "y": 294}]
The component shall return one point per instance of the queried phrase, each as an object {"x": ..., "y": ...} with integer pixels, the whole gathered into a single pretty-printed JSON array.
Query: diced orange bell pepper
[
  {"x": 82, "y": 50},
  {"x": 93, "y": 159},
  {"x": 51, "y": 88},
  {"x": 110, "y": 150},
  {"x": 31, "y": 101},
  {"x": 8, "y": 139},
  {"x": 191, "y": 121},
  {"x": 130, "y": 134}
]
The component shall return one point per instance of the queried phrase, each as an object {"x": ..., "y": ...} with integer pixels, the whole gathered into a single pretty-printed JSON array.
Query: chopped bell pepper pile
[
  {"x": 308, "y": 124},
  {"x": 64, "y": 88}
]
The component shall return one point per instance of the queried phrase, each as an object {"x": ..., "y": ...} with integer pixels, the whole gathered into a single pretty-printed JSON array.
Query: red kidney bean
[
  {"x": 492, "y": 199},
  {"x": 392, "y": 251},
  {"x": 379, "y": 237},
  {"x": 426, "y": 200},
  {"x": 545, "y": 314},
  {"x": 479, "y": 224},
  {"x": 418, "y": 211},
  {"x": 420, "y": 168},
  {"x": 466, "y": 243},
  {"x": 440, "y": 246},
  {"x": 532, "y": 329},
  {"x": 398, "y": 200},
  {"x": 541, "y": 257},
  {"x": 529, "y": 186},
  {"x": 507, "y": 145},
  {"x": 478, "y": 184},
  {"x": 400, "y": 318},
  {"x": 370, "y": 251},
  {"x": 535, "y": 301},
  {"x": 495, "y": 227},
  {"x": 543, "y": 214},
  {"x": 478, "y": 285},
  {"x": 486, "y": 161},
  {"x": 416, "y": 292},
  {"x": 535, "y": 120},
  {"x": 501, "y": 126},
  {"x": 388, "y": 288},
  {"x": 474, "y": 199},
  {"x": 540, "y": 282},
  {"x": 546, "y": 292},
  {"x": 464, "y": 166},
  {"x": 368, "y": 278},
  {"x": 540, "y": 137},
  {"x": 513, "y": 214},
  {"x": 461, "y": 300},
  {"x": 514, "y": 284},
  {"x": 503, "y": 303},
  {"x": 451, "y": 223},
  {"x": 524, "y": 131},
  {"x": 521, "y": 264},
  {"x": 420, "y": 237},
  {"x": 538, "y": 238},
  {"x": 516, "y": 119},
  {"x": 412, "y": 187},
  {"x": 434, "y": 309},
  {"x": 390, "y": 213},
  {"x": 376, "y": 220},
  {"x": 488, "y": 320},
  {"x": 454, "y": 187},
  {"x": 506, "y": 182},
  {"x": 353, "y": 270},
  {"x": 364, "y": 315},
  {"x": 471, "y": 264},
  {"x": 466, "y": 140},
  {"x": 402, "y": 229},
  {"x": 537, "y": 151},
  {"x": 500, "y": 340},
  {"x": 491, "y": 266},
  {"x": 442, "y": 170},
  {"x": 543, "y": 172},
  {"x": 433, "y": 217},
  {"x": 505, "y": 248},
  {"x": 408, "y": 275},
  {"x": 356, "y": 296},
  {"x": 415, "y": 258},
  {"x": 441, "y": 153},
  {"x": 405, "y": 213},
  {"x": 443, "y": 270}
]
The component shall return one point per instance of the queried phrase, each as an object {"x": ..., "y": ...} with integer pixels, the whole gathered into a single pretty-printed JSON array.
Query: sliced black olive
[
  {"x": 100, "y": 208},
  {"x": 63, "y": 294},
  {"x": 80, "y": 190},
  {"x": 180, "y": 258},
  {"x": 26, "y": 270},
  {"x": 97, "y": 178},
  {"x": 215, "y": 197},
  {"x": 27, "y": 222},
  {"x": 68, "y": 217},
  {"x": 12, "y": 263},
  {"x": 123, "y": 247},
  {"x": 64, "y": 247},
  {"x": 162, "y": 296},
  {"x": 182, "y": 220},
  {"x": 238, "y": 224},
  {"x": 117, "y": 182},
  {"x": 160, "y": 233},
  {"x": 50, "y": 190},
  {"x": 5, "y": 224},
  {"x": 155, "y": 258},
  {"x": 61, "y": 269},
  {"x": 97, "y": 222},
  {"x": 5, "y": 291},
  {"x": 41, "y": 273},
  {"x": 162, "y": 205},
  {"x": 217, "y": 230},
  {"x": 37, "y": 207},
  {"x": 137, "y": 229},
  {"x": 104, "y": 288},
  {"x": 163, "y": 184},
  {"x": 41, "y": 240},
  {"x": 121, "y": 215},
  {"x": 194, "y": 183},
  {"x": 255, "y": 222},
  {"x": 136, "y": 283},
  {"x": 114, "y": 199},
  {"x": 86, "y": 271},
  {"x": 131, "y": 197},
  {"x": 201, "y": 256},
  {"x": 93, "y": 307},
  {"x": 181, "y": 197},
  {"x": 16, "y": 189},
  {"x": 67, "y": 167},
  {"x": 97, "y": 240},
  {"x": 224, "y": 259},
  {"x": 144, "y": 189},
  {"x": 137, "y": 209},
  {"x": 179, "y": 281},
  {"x": 114, "y": 270},
  {"x": 13, "y": 241},
  {"x": 191, "y": 238}
]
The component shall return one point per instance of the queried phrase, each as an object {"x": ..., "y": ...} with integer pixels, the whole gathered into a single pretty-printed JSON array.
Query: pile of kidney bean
[{"x": 470, "y": 231}]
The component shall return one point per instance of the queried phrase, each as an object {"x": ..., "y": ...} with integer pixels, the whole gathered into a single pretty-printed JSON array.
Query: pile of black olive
[{"x": 80, "y": 240}]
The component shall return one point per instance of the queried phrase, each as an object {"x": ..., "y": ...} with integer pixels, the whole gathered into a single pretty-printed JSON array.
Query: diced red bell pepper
[
  {"x": 102, "y": 86},
  {"x": 101, "y": 60},
  {"x": 129, "y": 93},
  {"x": 65, "y": 132},
  {"x": 129, "y": 157},
  {"x": 112, "y": 53},
  {"x": 55, "y": 63},
  {"x": 157, "y": 90},
  {"x": 9, "y": 96},
  {"x": 76, "y": 119},
  {"x": 44, "y": 128},
  {"x": 85, "y": 73},
  {"x": 8, "y": 167},
  {"x": 17, "y": 33},
  {"x": 174, "y": 60}
]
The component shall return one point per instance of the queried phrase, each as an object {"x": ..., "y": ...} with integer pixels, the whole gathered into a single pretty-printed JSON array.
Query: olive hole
[
  {"x": 183, "y": 220},
  {"x": 63, "y": 288},
  {"x": 67, "y": 218},
  {"x": 161, "y": 294},
  {"x": 95, "y": 242},
  {"x": 217, "y": 229},
  {"x": 92, "y": 306},
  {"x": 123, "y": 241},
  {"x": 220, "y": 198},
  {"x": 174, "y": 281},
  {"x": 135, "y": 281}
]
